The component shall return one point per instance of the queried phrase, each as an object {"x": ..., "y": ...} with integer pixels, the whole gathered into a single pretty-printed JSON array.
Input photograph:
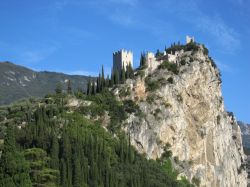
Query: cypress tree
[
  {"x": 142, "y": 60},
  {"x": 69, "y": 89},
  {"x": 97, "y": 85},
  {"x": 89, "y": 87},
  {"x": 158, "y": 53},
  {"x": 107, "y": 84},
  {"x": 100, "y": 83},
  {"x": 77, "y": 172},
  {"x": 55, "y": 153},
  {"x": 116, "y": 77},
  {"x": 123, "y": 76},
  {"x": 14, "y": 169},
  {"x": 63, "y": 173},
  {"x": 112, "y": 80},
  {"x": 93, "y": 88},
  {"x": 103, "y": 78},
  {"x": 58, "y": 89}
]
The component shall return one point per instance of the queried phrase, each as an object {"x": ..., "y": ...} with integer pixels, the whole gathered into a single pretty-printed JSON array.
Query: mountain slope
[
  {"x": 17, "y": 82},
  {"x": 245, "y": 133}
]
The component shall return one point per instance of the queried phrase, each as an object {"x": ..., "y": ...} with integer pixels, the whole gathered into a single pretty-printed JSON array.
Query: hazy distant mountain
[
  {"x": 245, "y": 132},
  {"x": 17, "y": 82}
]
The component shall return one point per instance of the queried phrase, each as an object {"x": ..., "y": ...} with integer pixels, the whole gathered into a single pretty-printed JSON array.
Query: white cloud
[
  {"x": 89, "y": 73},
  {"x": 32, "y": 56},
  {"x": 225, "y": 36},
  {"x": 122, "y": 19},
  {"x": 82, "y": 72},
  {"x": 224, "y": 67},
  {"x": 125, "y": 2}
]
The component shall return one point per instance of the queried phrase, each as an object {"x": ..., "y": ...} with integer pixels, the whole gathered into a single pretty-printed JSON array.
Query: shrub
[
  {"x": 130, "y": 106},
  {"x": 124, "y": 92},
  {"x": 167, "y": 105},
  {"x": 205, "y": 50},
  {"x": 170, "y": 67},
  {"x": 150, "y": 99},
  {"x": 196, "y": 181},
  {"x": 156, "y": 112},
  {"x": 179, "y": 98},
  {"x": 170, "y": 80},
  {"x": 141, "y": 73},
  {"x": 183, "y": 62},
  {"x": 151, "y": 84}
]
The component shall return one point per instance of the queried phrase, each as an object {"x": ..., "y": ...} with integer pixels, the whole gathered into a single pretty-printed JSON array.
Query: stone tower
[
  {"x": 122, "y": 58},
  {"x": 189, "y": 39}
]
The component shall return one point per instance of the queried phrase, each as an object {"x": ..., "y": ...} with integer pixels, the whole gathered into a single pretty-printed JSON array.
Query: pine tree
[
  {"x": 14, "y": 169},
  {"x": 69, "y": 89}
]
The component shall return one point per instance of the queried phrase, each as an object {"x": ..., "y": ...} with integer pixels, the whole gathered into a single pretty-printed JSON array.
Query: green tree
[
  {"x": 89, "y": 87},
  {"x": 14, "y": 170},
  {"x": 55, "y": 153},
  {"x": 93, "y": 88},
  {"x": 116, "y": 77},
  {"x": 103, "y": 78},
  {"x": 69, "y": 89},
  {"x": 58, "y": 89},
  {"x": 143, "y": 60},
  {"x": 112, "y": 80},
  {"x": 123, "y": 76}
]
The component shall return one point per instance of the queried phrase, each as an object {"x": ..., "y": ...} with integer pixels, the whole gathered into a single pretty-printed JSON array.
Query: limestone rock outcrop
[{"x": 186, "y": 110}]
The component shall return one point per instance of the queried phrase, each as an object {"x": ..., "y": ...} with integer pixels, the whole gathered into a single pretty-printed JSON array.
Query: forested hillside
[{"x": 60, "y": 141}]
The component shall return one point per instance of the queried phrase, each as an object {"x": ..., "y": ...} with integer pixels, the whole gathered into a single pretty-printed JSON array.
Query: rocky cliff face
[{"x": 186, "y": 111}]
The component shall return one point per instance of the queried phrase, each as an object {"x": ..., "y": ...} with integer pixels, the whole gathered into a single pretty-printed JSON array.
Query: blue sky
[{"x": 78, "y": 36}]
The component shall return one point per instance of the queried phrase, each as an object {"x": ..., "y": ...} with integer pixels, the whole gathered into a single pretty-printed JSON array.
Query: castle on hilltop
[{"x": 122, "y": 59}]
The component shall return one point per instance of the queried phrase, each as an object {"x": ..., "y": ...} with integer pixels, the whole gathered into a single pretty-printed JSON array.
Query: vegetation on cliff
[{"x": 48, "y": 143}]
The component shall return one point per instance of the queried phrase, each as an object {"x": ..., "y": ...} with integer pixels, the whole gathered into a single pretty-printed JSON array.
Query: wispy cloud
[
  {"x": 225, "y": 36},
  {"x": 32, "y": 56},
  {"x": 89, "y": 73},
  {"x": 82, "y": 72},
  {"x": 122, "y": 19},
  {"x": 213, "y": 26},
  {"x": 60, "y": 4},
  {"x": 79, "y": 33},
  {"x": 125, "y": 2},
  {"x": 224, "y": 67},
  {"x": 28, "y": 54}
]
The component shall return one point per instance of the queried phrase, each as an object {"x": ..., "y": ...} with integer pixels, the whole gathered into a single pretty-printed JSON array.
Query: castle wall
[
  {"x": 122, "y": 59},
  {"x": 152, "y": 63}
]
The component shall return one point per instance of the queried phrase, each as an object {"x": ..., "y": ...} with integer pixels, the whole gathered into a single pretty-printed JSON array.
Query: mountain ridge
[{"x": 18, "y": 82}]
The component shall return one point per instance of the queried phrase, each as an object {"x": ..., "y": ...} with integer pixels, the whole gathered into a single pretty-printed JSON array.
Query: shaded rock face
[
  {"x": 245, "y": 133},
  {"x": 188, "y": 114}
]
